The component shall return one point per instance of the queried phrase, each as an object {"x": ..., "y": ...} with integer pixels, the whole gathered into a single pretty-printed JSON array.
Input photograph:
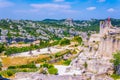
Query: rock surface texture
[{"x": 94, "y": 61}]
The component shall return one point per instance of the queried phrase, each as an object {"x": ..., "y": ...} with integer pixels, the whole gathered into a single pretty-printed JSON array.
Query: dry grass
[
  {"x": 59, "y": 62},
  {"x": 13, "y": 61},
  {"x": 19, "y": 45},
  {"x": 24, "y": 45}
]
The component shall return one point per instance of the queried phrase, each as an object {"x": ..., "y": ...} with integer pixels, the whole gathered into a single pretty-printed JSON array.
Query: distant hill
[{"x": 49, "y": 28}]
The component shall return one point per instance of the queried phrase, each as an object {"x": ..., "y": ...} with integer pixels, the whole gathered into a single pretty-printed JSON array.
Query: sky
[{"x": 59, "y": 9}]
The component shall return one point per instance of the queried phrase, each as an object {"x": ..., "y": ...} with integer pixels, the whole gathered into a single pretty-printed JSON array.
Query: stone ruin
[
  {"x": 109, "y": 40},
  {"x": 98, "y": 52}
]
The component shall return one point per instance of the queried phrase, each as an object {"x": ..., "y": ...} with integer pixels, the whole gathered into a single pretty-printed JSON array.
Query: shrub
[
  {"x": 54, "y": 43},
  {"x": 24, "y": 70},
  {"x": 116, "y": 59},
  {"x": 78, "y": 39},
  {"x": 85, "y": 65},
  {"x": 10, "y": 73},
  {"x": 53, "y": 70},
  {"x": 28, "y": 66},
  {"x": 0, "y": 66},
  {"x": 115, "y": 76},
  {"x": 50, "y": 66},
  {"x": 74, "y": 52},
  {"x": 2, "y": 48},
  {"x": 57, "y": 54},
  {"x": 67, "y": 62},
  {"x": 12, "y": 67},
  {"x": 46, "y": 65},
  {"x": 43, "y": 44},
  {"x": 64, "y": 42},
  {"x": 31, "y": 65}
]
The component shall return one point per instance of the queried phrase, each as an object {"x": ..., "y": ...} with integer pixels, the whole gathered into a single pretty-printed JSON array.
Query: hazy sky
[{"x": 59, "y": 9}]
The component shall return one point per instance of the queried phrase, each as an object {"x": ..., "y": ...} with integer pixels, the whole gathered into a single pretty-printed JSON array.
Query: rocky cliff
[{"x": 108, "y": 45}]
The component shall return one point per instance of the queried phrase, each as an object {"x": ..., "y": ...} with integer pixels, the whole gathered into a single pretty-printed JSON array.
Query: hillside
[{"x": 48, "y": 29}]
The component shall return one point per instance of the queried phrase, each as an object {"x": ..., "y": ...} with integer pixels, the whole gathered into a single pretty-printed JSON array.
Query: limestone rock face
[
  {"x": 69, "y": 22},
  {"x": 109, "y": 39},
  {"x": 37, "y": 76},
  {"x": 109, "y": 45},
  {"x": 98, "y": 53}
]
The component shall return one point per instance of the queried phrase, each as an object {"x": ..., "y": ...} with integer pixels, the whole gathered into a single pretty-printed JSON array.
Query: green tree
[
  {"x": 0, "y": 65},
  {"x": 64, "y": 42},
  {"x": 9, "y": 34},
  {"x": 10, "y": 72},
  {"x": 116, "y": 59},
  {"x": 78, "y": 39},
  {"x": 53, "y": 70},
  {"x": 2, "y": 48},
  {"x": 46, "y": 65},
  {"x": 116, "y": 62},
  {"x": 67, "y": 62}
]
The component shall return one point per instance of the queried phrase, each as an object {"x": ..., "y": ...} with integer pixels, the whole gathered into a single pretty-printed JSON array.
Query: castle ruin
[{"x": 110, "y": 38}]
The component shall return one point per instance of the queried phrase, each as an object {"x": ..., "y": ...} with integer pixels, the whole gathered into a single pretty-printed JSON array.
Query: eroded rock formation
[{"x": 98, "y": 52}]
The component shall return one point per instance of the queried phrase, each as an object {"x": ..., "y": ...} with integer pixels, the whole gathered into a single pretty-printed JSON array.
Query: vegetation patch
[
  {"x": 116, "y": 59},
  {"x": 116, "y": 62},
  {"x": 48, "y": 69},
  {"x": 64, "y": 42},
  {"x": 67, "y": 62},
  {"x": 115, "y": 76},
  {"x": 31, "y": 65},
  {"x": 77, "y": 39},
  {"x": 11, "y": 72},
  {"x": 2, "y": 48},
  {"x": 53, "y": 71}
]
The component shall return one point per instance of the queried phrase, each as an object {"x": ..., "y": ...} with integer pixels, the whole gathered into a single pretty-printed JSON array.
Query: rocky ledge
[{"x": 37, "y": 76}]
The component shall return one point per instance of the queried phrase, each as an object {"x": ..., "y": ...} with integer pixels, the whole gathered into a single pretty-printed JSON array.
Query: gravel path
[{"x": 35, "y": 52}]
